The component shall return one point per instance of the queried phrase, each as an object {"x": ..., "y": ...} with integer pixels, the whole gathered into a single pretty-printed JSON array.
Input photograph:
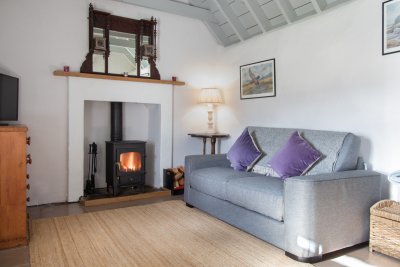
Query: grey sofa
[{"x": 307, "y": 216}]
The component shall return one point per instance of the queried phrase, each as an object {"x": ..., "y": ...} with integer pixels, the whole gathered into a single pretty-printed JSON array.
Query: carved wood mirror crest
[{"x": 121, "y": 46}]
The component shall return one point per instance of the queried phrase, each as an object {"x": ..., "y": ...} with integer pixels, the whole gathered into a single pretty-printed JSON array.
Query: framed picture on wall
[
  {"x": 391, "y": 27},
  {"x": 258, "y": 80}
]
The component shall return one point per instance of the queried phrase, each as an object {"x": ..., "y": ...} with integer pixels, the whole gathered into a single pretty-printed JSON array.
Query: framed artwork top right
[{"x": 391, "y": 27}]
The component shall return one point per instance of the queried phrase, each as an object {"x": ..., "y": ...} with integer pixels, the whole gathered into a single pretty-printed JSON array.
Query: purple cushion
[
  {"x": 295, "y": 158},
  {"x": 244, "y": 152}
]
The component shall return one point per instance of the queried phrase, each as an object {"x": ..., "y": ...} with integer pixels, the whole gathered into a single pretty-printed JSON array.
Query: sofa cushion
[
  {"x": 212, "y": 181},
  {"x": 295, "y": 158},
  {"x": 243, "y": 153},
  {"x": 261, "y": 194},
  {"x": 347, "y": 158},
  {"x": 329, "y": 143}
]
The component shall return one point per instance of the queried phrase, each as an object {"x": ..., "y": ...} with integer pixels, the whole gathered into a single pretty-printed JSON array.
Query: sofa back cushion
[{"x": 339, "y": 149}]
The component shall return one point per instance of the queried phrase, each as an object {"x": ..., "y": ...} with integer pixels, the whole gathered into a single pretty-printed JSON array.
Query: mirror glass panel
[
  {"x": 98, "y": 32},
  {"x": 145, "y": 67},
  {"x": 122, "y": 53},
  {"x": 99, "y": 62},
  {"x": 144, "y": 63}
]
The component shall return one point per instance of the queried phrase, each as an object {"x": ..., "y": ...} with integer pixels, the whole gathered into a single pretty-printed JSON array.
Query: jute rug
[{"x": 160, "y": 234}]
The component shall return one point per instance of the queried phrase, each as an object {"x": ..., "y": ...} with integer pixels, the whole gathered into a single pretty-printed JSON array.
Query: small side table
[{"x": 213, "y": 137}]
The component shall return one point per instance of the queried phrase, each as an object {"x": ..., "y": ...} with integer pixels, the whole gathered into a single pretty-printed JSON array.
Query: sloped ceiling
[{"x": 233, "y": 21}]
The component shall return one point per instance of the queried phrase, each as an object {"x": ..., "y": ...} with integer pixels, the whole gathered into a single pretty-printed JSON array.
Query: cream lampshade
[{"x": 211, "y": 97}]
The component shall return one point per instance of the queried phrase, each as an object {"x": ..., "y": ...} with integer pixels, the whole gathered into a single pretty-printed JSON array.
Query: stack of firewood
[{"x": 179, "y": 176}]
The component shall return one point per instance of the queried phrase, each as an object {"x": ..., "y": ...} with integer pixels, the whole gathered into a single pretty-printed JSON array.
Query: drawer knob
[
  {"x": 28, "y": 186},
  {"x": 28, "y": 199},
  {"x": 27, "y": 176},
  {"x": 28, "y": 140},
  {"x": 28, "y": 159}
]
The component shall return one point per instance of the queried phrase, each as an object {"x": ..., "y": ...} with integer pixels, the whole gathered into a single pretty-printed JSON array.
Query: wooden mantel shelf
[{"x": 118, "y": 78}]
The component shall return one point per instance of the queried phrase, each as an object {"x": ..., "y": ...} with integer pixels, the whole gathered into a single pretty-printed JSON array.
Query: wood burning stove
[
  {"x": 125, "y": 165},
  {"x": 125, "y": 160}
]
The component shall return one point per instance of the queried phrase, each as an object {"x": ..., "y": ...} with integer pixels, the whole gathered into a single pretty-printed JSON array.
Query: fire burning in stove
[{"x": 130, "y": 162}]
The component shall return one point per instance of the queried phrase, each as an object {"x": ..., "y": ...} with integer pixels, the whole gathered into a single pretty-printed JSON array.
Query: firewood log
[{"x": 178, "y": 176}]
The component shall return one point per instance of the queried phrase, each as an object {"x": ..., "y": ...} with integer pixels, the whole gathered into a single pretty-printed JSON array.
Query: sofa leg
[
  {"x": 303, "y": 259},
  {"x": 326, "y": 256},
  {"x": 190, "y": 206}
]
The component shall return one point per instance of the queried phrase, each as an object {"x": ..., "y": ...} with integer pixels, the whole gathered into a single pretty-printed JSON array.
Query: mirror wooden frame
[{"x": 108, "y": 22}]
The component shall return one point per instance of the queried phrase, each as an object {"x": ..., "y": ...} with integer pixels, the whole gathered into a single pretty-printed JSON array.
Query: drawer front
[
  {"x": 13, "y": 159},
  {"x": 12, "y": 168}
]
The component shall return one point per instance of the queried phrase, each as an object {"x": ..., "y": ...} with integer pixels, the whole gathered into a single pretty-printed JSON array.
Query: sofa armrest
[
  {"x": 328, "y": 212},
  {"x": 195, "y": 162}
]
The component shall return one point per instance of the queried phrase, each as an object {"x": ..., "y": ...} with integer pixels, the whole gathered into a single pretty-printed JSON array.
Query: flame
[{"x": 130, "y": 162}]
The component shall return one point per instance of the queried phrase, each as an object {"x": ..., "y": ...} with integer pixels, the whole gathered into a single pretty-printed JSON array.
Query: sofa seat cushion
[
  {"x": 261, "y": 194},
  {"x": 212, "y": 181}
]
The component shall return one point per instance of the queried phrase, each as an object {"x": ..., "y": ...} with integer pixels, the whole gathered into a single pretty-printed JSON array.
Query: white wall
[
  {"x": 331, "y": 75},
  {"x": 38, "y": 37}
]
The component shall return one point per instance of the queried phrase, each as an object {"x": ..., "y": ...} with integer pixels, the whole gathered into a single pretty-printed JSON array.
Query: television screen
[{"x": 8, "y": 98}]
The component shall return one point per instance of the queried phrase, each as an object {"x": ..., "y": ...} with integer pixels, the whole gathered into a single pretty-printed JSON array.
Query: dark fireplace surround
[{"x": 125, "y": 160}]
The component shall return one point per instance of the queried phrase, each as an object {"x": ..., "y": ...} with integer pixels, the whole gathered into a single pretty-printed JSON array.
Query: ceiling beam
[
  {"x": 337, "y": 2},
  {"x": 316, "y": 5},
  {"x": 287, "y": 10},
  {"x": 232, "y": 19},
  {"x": 215, "y": 30},
  {"x": 218, "y": 33},
  {"x": 259, "y": 15},
  {"x": 322, "y": 4},
  {"x": 174, "y": 7}
]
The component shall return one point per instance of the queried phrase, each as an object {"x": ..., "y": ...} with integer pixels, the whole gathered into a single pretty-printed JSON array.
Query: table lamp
[{"x": 211, "y": 97}]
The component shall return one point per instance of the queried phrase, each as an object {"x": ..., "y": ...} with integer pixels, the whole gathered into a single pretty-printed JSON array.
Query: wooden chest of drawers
[{"x": 13, "y": 185}]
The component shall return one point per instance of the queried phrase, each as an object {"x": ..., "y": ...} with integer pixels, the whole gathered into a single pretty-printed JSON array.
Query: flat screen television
[{"x": 8, "y": 98}]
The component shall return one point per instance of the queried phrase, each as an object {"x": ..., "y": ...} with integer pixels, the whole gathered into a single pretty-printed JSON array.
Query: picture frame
[
  {"x": 390, "y": 27},
  {"x": 147, "y": 50},
  {"x": 99, "y": 43},
  {"x": 258, "y": 80}
]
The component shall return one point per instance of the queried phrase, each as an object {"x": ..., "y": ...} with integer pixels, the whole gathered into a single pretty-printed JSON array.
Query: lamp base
[{"x": 210, "y": 123}]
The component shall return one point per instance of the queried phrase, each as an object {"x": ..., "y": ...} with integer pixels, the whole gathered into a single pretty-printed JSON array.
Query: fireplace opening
[{"x": 130, "y": 162}]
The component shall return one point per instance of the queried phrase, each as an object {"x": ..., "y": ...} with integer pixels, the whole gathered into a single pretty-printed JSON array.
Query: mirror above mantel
[{"x": 121, "y": 46}]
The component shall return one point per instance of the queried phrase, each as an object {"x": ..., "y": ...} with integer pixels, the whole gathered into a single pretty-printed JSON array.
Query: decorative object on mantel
[
  {"x": 112, "y": 77},
  {"x": 119, "y": 45},
  {"x": 210, "y": 97},
  {"x": 391, "y": 27},
  {"x": 258, "y": 80}
]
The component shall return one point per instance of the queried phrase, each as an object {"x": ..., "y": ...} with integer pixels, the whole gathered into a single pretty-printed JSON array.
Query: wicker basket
[{"x": 385, "y": 228}]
